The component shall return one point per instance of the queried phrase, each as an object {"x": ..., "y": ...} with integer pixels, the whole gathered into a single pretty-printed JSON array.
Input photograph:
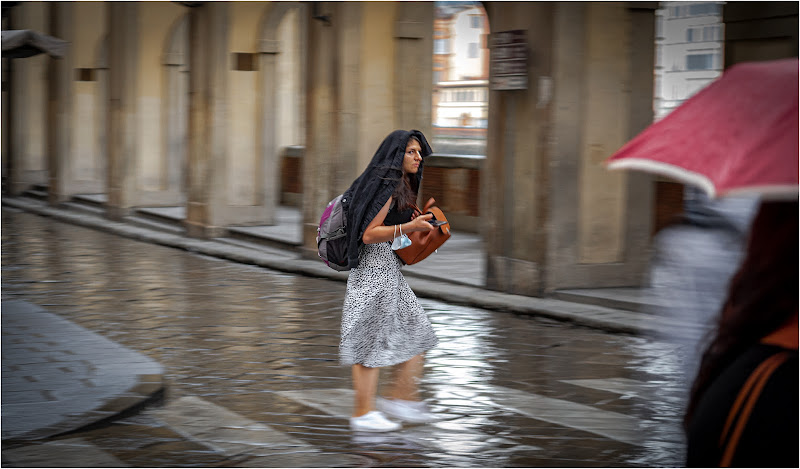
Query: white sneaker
[
  {"x": 409, "y": 411},
  {"x": 373, "y": 421}
]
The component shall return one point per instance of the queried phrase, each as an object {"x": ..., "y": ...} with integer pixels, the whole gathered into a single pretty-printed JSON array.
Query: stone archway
[{"x": 270, "y": 49}]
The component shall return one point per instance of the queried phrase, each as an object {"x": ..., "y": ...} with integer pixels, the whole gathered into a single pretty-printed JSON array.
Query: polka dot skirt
[{"x": 382, "y": 321}]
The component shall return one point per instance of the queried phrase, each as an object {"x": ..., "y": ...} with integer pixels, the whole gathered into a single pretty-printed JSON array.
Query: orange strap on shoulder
[
  {"x": 784, "y": 336},
  {"x": 743, "y": 406}
]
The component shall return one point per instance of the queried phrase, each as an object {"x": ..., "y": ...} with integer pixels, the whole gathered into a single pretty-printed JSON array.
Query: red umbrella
[{"x": 738, "y": 135}]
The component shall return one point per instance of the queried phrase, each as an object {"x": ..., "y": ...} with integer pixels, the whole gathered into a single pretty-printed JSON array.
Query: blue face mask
[{"x": 401, "y": 241}]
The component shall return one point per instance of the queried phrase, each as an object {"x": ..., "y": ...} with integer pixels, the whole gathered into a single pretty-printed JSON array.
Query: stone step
[
  {"x": 173, "y": 215},
  {"x": 91, "y": 209},
  {"x": 639, "y": 300},
  {"x": 273, "y": 237},
  {"x": 35, "y": 193},
  {"x": 94, "y": 200},
  {"x": 155, "y": 224}
]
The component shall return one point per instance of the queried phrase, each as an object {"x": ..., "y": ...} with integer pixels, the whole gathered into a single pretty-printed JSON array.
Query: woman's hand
[
  {"x": 419, "y": 223},
  {"x": 377, "y": 232}
]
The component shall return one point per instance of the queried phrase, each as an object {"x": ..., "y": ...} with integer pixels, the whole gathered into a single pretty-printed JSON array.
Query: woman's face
[{"x": 413, "y": 157}]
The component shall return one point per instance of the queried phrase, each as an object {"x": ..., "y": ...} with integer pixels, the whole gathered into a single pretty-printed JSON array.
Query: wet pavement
[{"x": 251, "y": 375}]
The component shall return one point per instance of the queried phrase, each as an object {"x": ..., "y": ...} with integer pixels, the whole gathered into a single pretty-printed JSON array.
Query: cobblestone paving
[{"x": 253, "y": 380}]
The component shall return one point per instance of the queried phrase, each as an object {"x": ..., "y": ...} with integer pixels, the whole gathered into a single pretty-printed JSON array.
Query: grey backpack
[{"x": 332, "y": 235}]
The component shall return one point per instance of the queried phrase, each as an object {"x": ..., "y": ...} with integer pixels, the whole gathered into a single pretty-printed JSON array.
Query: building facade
[
  {"x": 192, "y": 104},
  {"x": 689, "y": 53}
]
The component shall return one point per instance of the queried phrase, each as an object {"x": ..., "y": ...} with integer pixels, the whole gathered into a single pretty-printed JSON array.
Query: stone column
[
  {"x": 28, "y": 118},
  {"x": 413, "y": 84},
  {"x": 516, "y": 187},
  {"x": 59, "y": 128},
  {"x": 555, "y": 217},
  {"x": 208, "y": 26},
  {"x": 269, "y": 183},
  {"x": 175, "y": 62},
  {"x": 345, "y": 169},
  {"x": 321, "y": 96},
  {"x": 123, "y": 46}
]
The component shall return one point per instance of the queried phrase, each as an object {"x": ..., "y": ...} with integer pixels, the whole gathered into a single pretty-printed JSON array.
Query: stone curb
[
  {"x": 608, "y": 319},
  {"x": 59, "y": 377}
]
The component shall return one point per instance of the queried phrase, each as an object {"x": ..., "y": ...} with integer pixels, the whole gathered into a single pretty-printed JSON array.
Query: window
[
  {"x": 475, "y": 21},
  {"x": 690, "y": 34},
  {"x": 702, "y": 9},
  {"x": 441, "y": 46},
  {"x": 660, "y": 26},
  {"x": 472, "y": 53},
  {"x": 437, "y": 76},
  {"x": 700, "y": 62},
  {"x": 711, "y": 33}
]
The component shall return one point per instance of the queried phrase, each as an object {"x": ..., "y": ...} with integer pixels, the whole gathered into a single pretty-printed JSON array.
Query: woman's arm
[{"x": 376, "y": 232}]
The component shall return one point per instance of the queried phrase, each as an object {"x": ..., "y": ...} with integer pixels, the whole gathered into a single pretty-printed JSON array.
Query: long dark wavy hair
[
  {"x": 405, "y": 195},
  {"x": 762, "y": 295}
]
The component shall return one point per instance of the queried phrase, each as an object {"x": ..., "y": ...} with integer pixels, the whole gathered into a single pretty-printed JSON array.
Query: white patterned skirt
[{"x": 382, "y": 321}]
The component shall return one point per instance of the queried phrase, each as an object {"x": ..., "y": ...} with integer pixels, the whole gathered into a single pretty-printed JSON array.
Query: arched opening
[
  {"x": 460, "y": 78},
  {"x": 290, "y": 103},
  {"x": 281, "y": 135}
]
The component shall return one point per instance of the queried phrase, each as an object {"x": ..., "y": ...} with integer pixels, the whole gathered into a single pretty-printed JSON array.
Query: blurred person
[
  {"x": 695, "y": 258},
  {"x": 743, "y": 408},
  {"x": 382, "y": 322}
]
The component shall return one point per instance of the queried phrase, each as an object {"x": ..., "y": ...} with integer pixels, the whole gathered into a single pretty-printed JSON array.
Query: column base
[
  {"x": 199, "y": 230},
  {"x": 514, "y": 276}
]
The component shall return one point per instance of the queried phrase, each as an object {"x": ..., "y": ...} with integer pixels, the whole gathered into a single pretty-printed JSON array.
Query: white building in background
[
  {"x": 689, "y": 51},
  {"x": 461, "y": 98},
  {"x": 469, "y": 50}
]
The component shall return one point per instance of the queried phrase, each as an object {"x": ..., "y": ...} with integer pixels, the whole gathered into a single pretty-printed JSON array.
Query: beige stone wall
[
  {"x": 155, "y": 23},
  {"x": 291, "y": 124},
  {"x": 605, "y": 129},
  {"x": 87, "y": 165},
  {"x": 242, "y": 180}
]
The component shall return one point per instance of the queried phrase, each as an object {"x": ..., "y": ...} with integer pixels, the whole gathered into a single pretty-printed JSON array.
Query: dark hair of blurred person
[{"x": 743, "y": 407}]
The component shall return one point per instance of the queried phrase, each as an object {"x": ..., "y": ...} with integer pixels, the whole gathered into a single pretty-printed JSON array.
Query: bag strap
[
  {"x": 428, "y": 205},
  {"x": 743, "y": 406}
]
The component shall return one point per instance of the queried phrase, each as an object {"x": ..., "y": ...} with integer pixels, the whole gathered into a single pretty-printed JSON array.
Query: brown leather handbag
[{"x": 423, "y": 244}]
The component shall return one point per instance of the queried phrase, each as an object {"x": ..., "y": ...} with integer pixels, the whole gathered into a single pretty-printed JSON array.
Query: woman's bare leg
[
  {"x": 405, "y": 379},
  {"x": 365, "y": 384}
]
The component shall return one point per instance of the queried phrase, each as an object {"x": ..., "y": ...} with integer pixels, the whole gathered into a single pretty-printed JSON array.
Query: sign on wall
[{"x": 509, "y": 60}]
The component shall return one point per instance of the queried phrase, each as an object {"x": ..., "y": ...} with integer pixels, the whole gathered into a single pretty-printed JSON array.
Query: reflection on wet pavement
[{"x": 251, "y": 363}]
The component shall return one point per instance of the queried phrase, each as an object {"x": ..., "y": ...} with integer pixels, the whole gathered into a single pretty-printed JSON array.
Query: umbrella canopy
[
  {"x": 22, "y": 43},
  {"x": 739, "y": 135}
]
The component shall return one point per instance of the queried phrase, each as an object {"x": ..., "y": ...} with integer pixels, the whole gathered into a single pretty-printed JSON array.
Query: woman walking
[
  {"x": 382, "y": 322},
  {"x": 743, "y": 408}
]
